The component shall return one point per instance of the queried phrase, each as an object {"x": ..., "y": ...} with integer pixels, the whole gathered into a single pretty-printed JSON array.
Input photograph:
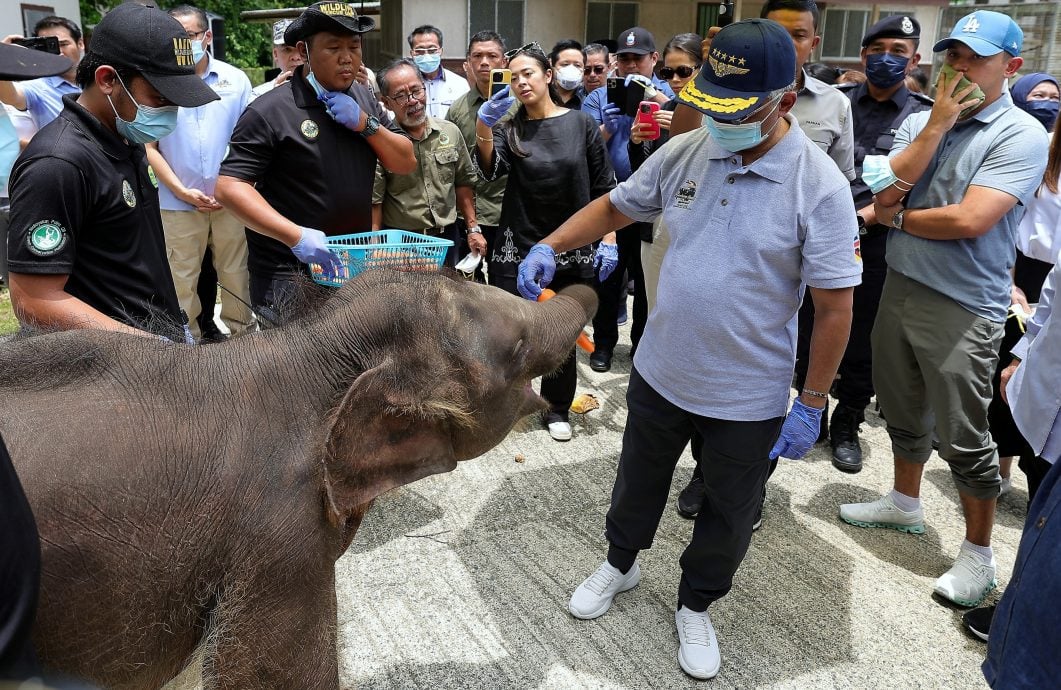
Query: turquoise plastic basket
[{"x": 397, "y": 249}]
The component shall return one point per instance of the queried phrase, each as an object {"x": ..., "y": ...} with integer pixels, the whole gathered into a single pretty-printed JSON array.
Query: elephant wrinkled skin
[{"x": 201, "y": 495}]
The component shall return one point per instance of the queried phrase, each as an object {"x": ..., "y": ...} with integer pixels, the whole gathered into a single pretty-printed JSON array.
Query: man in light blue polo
[
  {"x": 43, "y": 98},
  {"x": 728, "y": 248},
  {"x": 186, "y": 163},
  {"x": 952, "y": 190}
]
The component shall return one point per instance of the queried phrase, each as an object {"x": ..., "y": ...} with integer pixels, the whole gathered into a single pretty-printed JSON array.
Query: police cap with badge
[
  {"x": 748, "y": 61},
  {"x": 896, "y": 26},
  {"x": 335, "y": 17}
]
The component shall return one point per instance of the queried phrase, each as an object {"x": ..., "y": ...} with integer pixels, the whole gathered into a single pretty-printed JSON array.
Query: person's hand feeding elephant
[{"x": 536, "y": 271}]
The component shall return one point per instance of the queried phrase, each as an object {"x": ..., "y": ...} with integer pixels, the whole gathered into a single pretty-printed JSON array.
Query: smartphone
[
  {"x": 725, "y": 13},
  {"x": 645, "y": 112},
  {"x": 499, "y": 79},
  {"x": 45, "y": 44},
  {"x": 617, "y": 92}
]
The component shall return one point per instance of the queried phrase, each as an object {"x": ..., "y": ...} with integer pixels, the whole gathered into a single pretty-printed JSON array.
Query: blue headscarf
[{"x": 1043, "y": 111}]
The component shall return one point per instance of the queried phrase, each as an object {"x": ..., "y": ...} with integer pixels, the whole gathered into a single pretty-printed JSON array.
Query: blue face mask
[
  {"x": 9, "y": 148},
  {"x": 736, "y": 138},
  {"x": 150, "y": 124},
  {"x": 428, "y": 63},
  {"x": 885, "y": 70},
  {"x": 1043, "y": 111},
  {"x": 197, "y": 51}
]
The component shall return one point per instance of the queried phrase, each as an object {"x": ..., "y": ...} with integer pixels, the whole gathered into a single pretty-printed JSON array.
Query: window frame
[
  {"x": 509, "y": 40},
  {"x": 613, "y": 30}
]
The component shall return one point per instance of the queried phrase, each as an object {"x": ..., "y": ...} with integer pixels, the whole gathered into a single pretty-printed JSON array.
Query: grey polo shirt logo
[{"x": 685, "y": 195}]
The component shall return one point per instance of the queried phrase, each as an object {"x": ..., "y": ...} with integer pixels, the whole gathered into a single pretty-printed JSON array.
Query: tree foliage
[{"x": 246, "y": 45}]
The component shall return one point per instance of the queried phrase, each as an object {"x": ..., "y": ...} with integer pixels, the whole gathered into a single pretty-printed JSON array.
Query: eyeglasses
[
  {"x": 684, "y": 72},
  {"x": 533, "y": 46},
  {"x": 194, "y": 35},
  {"x": 413, "y": 95},
  {"x": 593, "y": 69},
  {"x": 425, "y": 51}
]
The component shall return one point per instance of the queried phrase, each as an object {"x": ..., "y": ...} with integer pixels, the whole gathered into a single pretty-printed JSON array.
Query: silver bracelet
[{"x": 815, "y": 394}]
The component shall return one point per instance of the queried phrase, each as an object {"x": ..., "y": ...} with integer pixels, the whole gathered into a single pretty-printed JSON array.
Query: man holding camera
[{"x": 43, "y": 98}]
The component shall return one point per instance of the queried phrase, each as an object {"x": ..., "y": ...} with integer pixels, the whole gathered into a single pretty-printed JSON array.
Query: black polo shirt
[
  {"x": 84, "y": 203},
  {"x": 312, "y": 170}
]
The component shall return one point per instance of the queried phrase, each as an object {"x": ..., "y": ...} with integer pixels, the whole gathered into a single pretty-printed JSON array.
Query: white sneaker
[
  {"x": 883, "y": 513},
  {"x": 594, "y": 596},
  {"x": 697, "y": 646},
  {"x": 560, "y": 431},
  {"x": 969, "y": 581}
]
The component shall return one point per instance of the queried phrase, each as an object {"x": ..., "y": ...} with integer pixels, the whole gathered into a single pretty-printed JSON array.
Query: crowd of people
[{"x": 866, "y": 240}]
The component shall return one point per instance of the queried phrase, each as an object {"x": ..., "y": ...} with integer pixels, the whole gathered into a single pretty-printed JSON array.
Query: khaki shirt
[
  {"x": 426, "y": 198},
  {"x": 488, "y": 195}
]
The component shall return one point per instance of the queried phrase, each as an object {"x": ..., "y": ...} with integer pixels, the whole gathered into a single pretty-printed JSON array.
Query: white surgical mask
[
  {"x": 740, "y": 137},
  {"x": 198, "y": 51},
  {"x": 569, "y": 77},
  {"x": 428, "y": 63}
]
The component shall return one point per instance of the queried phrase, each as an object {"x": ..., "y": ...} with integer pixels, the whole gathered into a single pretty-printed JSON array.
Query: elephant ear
[{"x": 382, "y": 437}]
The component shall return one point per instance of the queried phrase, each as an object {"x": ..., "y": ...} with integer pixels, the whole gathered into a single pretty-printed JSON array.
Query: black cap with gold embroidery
[
  {"x": 748, "y": 60},
  {"x": 154, "y": 44},
  {"x": 336, "y": 17}
]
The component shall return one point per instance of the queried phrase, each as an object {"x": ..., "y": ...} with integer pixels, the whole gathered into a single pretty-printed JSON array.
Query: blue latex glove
[
  {"x": 497, "y": 107},
  {"x": 799, "y": 432},
  {"x": 613, "y": 118},
  {"x": 536, "y": 271},
  {"x": 650, "y": 88},
  {"x": 311, "y": 249},
  {"x": 342, "y": 108},
  {"x": 605, "y": 260}
]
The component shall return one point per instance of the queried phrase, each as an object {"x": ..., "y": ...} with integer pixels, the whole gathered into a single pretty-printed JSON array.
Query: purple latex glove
[
  {"x": 536, "y": 271},
  {"x": 613, "y": 118},
  {"x": 311, "y": 248},
  {"x": 605, "y": 260},
  {"x": 799, "y": 432},
  {"x": 497, "y": 107},
  {"x": 342, "y": 108}
]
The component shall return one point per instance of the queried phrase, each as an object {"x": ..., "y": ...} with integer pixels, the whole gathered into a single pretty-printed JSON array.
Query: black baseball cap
[
  {"x": 154, "y": 44},
  {"x": 748, "y": 61},
  {"x": 335, "y": 17},
  {"x": 637, "y": 40},
  {"x": 18, "y": 63}
]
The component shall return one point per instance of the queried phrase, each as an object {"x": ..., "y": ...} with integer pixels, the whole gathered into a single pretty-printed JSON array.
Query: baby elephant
[{"x": 192, "y": 496}]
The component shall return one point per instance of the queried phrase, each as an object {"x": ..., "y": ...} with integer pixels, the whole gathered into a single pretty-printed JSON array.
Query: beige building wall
[
  {"x": 548, "y": 21},
  {"x": 451, "y": 16}
]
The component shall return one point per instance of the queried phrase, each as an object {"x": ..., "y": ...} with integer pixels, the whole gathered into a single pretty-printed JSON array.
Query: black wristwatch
[{"x": 371, "y": 127}]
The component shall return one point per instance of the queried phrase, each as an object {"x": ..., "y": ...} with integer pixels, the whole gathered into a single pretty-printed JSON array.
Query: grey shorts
[{"x": 932, "y": 367}]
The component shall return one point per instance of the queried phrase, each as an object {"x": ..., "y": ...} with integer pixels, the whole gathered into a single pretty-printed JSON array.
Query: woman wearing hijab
[{"x": 1037, "y": 94}]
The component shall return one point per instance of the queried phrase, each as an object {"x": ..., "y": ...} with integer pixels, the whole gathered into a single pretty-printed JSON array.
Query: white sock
[
  {"x": 984, "y": 551},
  {"x": 904, "y": 502}
]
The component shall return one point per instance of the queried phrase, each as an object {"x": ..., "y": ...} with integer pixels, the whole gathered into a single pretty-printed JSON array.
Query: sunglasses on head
[
  {"x": 533, "y": 46},
  {"x": 684, "y": 72},
  {"x": 593, "y": 69}
]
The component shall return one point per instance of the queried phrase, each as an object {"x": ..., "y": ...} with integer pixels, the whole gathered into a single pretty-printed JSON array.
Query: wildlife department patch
[
  {"x": 310, "y": 130},
  {"x": 46, "y": 238},
  {"x": 128, "y": 195}
]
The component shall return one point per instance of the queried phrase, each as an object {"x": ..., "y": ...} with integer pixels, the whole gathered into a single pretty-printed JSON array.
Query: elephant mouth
[{"x": 532, "y": 402}]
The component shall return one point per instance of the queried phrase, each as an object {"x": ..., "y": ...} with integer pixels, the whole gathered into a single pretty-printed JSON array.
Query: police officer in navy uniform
[
  {"x": 878, "y": 107},
  {"x": 302, "y": 158},
  {"x": 86, "y": 245}
]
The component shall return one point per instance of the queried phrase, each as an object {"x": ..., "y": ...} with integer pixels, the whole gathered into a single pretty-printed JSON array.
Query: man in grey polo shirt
[
  {"x": 953, "y": 190},
  {"x": 727, "y": 247}
]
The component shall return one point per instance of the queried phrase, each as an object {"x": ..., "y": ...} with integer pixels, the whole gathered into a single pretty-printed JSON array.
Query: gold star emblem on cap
[
  {"x": 740, "y": 62},
  {"x": 732, "y": 58},
  {"x": 723, "y": 56}
]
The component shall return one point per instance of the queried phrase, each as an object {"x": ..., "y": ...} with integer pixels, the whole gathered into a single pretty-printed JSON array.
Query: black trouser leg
[
  {"x": 272, "y": 297},
  {"x": 206, "y": 289},
  {"x": 629, "y": 239},
  {"x": 612, "y": 292},
  {"x": 855, "y": 386},
  {"x": 20, "y": 569}
]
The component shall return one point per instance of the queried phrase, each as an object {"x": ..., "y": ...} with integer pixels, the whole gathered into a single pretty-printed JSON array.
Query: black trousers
[
  {"x": 734, "y": 460},
  {"x": 20, "y": 571},
  {"x": 854, "y": 387},
  {"x": 206, "y": 289},
  {"x": 558, "y": 388},
  {"x": 612, "y": 292}
]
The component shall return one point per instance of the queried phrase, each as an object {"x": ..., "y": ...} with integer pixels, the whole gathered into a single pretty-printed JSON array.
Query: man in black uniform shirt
[
  {"x": 85, "y": 245},
  {"x": 878, "y": 107},
  {"x": 302, "y": 159}
]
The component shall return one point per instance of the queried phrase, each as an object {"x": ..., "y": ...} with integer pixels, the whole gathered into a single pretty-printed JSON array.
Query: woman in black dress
[{"x": 556, "y": 163}]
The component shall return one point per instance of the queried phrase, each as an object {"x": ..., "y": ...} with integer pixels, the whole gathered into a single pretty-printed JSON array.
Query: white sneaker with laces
[
  {"x": 594, "y": 596},
  {"x": 560, "y": 431},
  {"x": 969, "y": 581},
  {"x": 883, "y": 513},
  {"x": 697, "y": 645}
]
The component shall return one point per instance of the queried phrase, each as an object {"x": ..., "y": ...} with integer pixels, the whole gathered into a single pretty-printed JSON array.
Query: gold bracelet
[
  {"x": 485, "y": 140},
  {"x": 815, "y": 394}
]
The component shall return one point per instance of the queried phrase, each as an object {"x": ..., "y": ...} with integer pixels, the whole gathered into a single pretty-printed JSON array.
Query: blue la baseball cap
[
  {"x": 748, "y": 60},
  {"x": 985, "y": 33}
]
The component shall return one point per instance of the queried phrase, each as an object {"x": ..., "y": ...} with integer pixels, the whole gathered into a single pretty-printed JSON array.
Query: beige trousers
[{"x": 188, "y": 233}]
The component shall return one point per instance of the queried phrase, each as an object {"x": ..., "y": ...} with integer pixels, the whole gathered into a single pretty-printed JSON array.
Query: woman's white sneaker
[
  {"x": 697, "y": 645},
  {"x": 594, "y": 596}
]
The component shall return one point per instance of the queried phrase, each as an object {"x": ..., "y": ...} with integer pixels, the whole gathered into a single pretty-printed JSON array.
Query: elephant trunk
[{"x": 558, "y": 322}]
